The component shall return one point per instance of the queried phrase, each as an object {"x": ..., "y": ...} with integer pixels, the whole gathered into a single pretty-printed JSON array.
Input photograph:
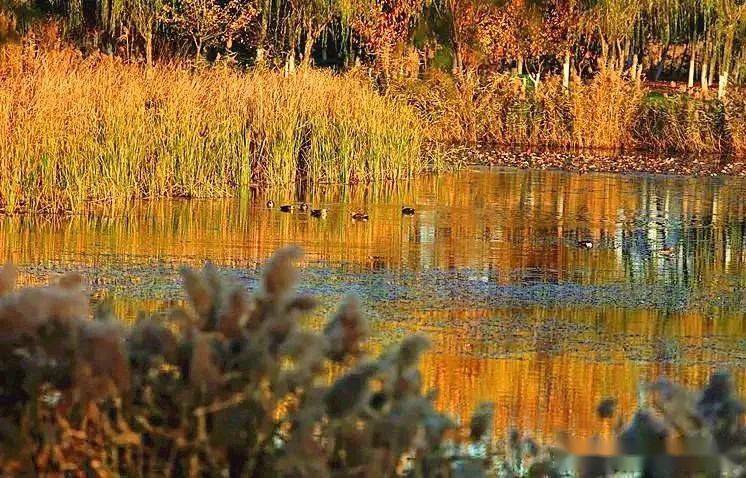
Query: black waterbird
[
  {"x": 320, "y": 213},
  {"x": 359, "y": 216}
]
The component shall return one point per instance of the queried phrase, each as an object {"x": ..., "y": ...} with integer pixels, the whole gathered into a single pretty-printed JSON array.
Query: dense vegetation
[
  {"x": 607, "y": 111},
  {"x": 74, "y": 130},
  {"x": 236, "y": 386}
]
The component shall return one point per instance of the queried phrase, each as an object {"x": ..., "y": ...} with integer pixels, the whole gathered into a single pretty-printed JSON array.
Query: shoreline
[{"x": 602, "y": 161}]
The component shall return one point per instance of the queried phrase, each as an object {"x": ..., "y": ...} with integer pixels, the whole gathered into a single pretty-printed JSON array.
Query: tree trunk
[
  {"x": 307, "y": 49},
  {"x": 456, "y": 66},
  {"x": 519, "y": 66},
  {"x": 566, "y": 70},
  {"x": 263, "y": 29},
  {"x": 725, "y": 63},
  {"x": 692, "y": 64},
  {"x": 625, "y": 54},
  {"x": 110, "y": 24},
  {"x": 149, "y": 48},
  {"x": 713, "y": 69},
  {"x": 621, "y": 58},
  {"x": 290, "y": 65},
  {"x": 723, "y": 84},
  {"x": 635, "y": 66},
  {"x": 703, "y": 75},
  {"x": 662, "y": 62}
]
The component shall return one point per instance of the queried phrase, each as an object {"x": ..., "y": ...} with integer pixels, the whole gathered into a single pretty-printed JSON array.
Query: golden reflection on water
[
  {"x": 550, "y": 381},
  {"x": 544, "y": 367}
]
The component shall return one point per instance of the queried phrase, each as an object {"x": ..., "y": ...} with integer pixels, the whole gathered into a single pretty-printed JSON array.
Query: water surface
[{"x": 490, "y": 267}]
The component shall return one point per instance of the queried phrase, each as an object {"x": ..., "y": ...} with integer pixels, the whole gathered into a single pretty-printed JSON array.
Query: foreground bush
[
  {"x": 74, "y": 130},
  {"x": 235, "y": 386}
]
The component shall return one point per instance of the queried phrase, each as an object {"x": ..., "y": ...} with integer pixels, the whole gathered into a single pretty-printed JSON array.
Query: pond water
[{"x": 491, "y": 267}]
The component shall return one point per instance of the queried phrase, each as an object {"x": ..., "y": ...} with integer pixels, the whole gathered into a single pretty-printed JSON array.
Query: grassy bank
[
  {"x": 606, "y": 112},
  {"x": 74, "y": 130}
]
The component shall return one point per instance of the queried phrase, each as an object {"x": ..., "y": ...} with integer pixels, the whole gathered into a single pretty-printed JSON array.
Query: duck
[
  {"x": 320, "y": 213},
  {"x": 585, "y": 244},
  {"x": 287, "y": 208},
  {"x": 303, "y": 207},
  {"x": 407, "y": 211},
  {"x": 270, "y": 204},
  {"x": 359, "y": 216}
]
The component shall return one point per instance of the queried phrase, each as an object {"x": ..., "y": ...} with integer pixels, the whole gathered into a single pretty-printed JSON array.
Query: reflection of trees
[{"x": 551, "y": 392}]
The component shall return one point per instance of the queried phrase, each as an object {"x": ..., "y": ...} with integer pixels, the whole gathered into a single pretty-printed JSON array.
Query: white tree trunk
[
  {"x": 703, "y": 76},
  {"x": 566, "y": 71},
  {"x": 290, "y": 64},
  {"x": 723, "y": 84},
  {"x": 711, "y": 74},
  {"x": 692, "y": 64}
]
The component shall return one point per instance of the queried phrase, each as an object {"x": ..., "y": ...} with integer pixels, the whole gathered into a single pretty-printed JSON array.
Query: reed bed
[
  {"x": 606, "y": 112},
  {"x": 76, "y": 130}
]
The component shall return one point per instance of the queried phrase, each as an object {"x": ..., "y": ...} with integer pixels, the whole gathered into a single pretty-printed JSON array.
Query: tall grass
[
  {"x": 74, "y": 130},
  {"x": 607, "y": 111}
]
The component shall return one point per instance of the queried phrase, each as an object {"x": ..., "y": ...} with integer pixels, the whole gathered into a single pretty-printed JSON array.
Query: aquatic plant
[{"x": 74, "y": 131}]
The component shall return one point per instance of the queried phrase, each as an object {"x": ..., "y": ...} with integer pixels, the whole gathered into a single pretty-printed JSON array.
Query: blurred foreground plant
[
  {"x": 232, "y": 386},
  {"x": 235, "y": 386}
]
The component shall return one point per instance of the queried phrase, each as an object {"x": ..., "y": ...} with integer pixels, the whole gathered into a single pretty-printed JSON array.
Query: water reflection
[{"x": 678, "y": 239}]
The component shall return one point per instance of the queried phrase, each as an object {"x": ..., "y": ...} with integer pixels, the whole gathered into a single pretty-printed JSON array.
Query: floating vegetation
[{"x": 600, "y": 161}]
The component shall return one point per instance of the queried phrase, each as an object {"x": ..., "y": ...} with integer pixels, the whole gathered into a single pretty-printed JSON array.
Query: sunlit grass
[{"x": 78, "y": 130}]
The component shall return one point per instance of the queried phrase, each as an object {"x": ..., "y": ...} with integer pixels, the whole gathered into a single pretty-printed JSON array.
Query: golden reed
[{"x": 75, "y": 130}]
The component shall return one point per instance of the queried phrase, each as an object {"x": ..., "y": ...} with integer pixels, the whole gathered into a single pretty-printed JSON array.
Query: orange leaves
[
  {"x": 382, "y": 24},
  {"x": 518, "y": 28}
]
